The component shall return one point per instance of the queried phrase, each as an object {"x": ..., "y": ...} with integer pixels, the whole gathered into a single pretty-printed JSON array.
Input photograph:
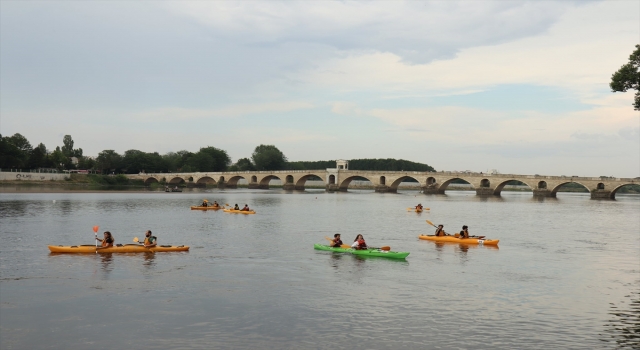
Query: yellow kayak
[
  {"x": 239, "y": 211},
  {"x": 120, "y": 248},
  {"x": 194, "y": 207},
  {"x": 453, "y": 239}
]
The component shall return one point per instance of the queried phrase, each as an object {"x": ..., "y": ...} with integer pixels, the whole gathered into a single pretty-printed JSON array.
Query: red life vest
[{"x": 362, "y": 244}]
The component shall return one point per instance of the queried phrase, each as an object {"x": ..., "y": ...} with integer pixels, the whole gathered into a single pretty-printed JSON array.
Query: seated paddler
[
  {"x": 440, "y": 231},
  {"x": 245, "y": 208},
  {"x": 107, "y": 241},
  {"x": 359, "y": 243},
  {"x": 336, "y": 242}
]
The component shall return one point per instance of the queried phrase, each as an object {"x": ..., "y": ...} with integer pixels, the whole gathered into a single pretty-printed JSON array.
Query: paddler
[
  {"x": 107, "y": 241},
  {"x": 337, "y": 242},
  {"x": 215, "y": 204},
  {"x": 419, "y": 206},
  {"x": 205, "y": 203},
  {"x": 246, "y": 208},
  {"x": 465, "y": 232},
  {"x": 359, "y": 243},
  {"x": 440, "y": 231},
  {"x": 149, "y": 240},
  {"x": 236, "y": 207}
]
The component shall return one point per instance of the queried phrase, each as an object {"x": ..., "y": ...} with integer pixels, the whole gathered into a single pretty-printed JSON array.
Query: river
[{"x": 566, "y": 274}]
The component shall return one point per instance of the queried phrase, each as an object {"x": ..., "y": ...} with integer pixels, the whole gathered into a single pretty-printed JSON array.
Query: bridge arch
[
  {"x": 254, "y": 179},
  {"x": 501, "y": 185},
  {"x": 176, "y": 180},
  {"x": 394, "y": 186},
  {"x": 443, "y": 187},
  {"x": 233, "y": 181},
  {"x": 299, "y": 185},
  {"x": 206, "y": 180},
  {"x": 554, "y": 190},
  {"x": 264, "y": 182},
  {"x": 344, "y": 185},
  {"x": 617, "y": 188},
  {"x": 150, "y": 180}
]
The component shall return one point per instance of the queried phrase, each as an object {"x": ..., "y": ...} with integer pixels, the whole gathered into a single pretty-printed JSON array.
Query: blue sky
[{"x": 517, "y": 86}]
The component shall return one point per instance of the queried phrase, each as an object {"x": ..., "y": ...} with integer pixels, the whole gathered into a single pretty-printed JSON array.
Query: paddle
[
  {"x": 457, "y": 235},
  {"x": 95, "y": 231},
  {"x": 136, "y": 240},
  {"x": 346, "y": 246},
  {"x": 414, "y": 208}
]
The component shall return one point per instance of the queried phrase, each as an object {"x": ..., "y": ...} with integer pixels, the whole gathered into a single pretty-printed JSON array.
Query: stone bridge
[{"x": 388, "y": 181}]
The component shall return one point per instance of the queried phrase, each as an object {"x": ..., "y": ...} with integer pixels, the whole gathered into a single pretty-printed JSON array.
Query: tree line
[{"x": 16, "y": 152}]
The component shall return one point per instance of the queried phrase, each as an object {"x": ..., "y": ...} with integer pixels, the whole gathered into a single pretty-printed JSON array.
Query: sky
[{"x": 521, "y": 87}]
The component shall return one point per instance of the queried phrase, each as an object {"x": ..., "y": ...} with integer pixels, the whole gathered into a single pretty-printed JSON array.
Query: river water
[{"x": 565, "y": 276}]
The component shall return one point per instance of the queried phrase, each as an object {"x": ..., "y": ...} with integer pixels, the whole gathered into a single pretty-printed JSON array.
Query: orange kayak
[
  {"x": 239, "y": 211},
  {"x": 121, "y": 248},
  {"x": 193, "y": 207},
  {"x": 453, "y": 239}
]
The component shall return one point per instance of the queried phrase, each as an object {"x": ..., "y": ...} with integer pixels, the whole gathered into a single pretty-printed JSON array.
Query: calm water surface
[{"x": 566, "y": 275}]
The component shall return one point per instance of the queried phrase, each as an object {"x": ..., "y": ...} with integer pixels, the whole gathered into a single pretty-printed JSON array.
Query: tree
[
  {"x": 10, "y": 155},
  {"x": 67, "y": 149},
  {"x": 108, "y": 160},
  {"x": 268, "y": 157},
  {"x": 208, "y": 159},
  {"x": 21, "y": 142},
  {"x": 628, "y": 77},
  {"x": 38, "y": 157},
  {"x": 244, "y": 164},
  {"x": 59, "y": 160}
]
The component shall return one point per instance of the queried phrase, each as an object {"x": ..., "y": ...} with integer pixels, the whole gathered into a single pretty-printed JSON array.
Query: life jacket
[
  {"x": 150, "y": 240},
  {"x": 336, "y": 242},
  {"x": 107, "y": 242},
  {"x": 362, "y": 244},
  {"x": 439, "y": 232},
  {"x": 462, "y": 234}
]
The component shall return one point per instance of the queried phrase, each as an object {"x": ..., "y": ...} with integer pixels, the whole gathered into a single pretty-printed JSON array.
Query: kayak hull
[
  {"x": 126, "y": 248},
  {"x": 239, "y": 211},
  {"x": 193, "y": 207},
  {"x": 453, "y": 239},
  {"x": 365, "y": 252}
]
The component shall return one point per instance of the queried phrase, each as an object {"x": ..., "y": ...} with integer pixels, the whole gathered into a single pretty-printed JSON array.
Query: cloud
[
  {"x": 179, "y": 113},
  {"x": 415, "y": 31}
]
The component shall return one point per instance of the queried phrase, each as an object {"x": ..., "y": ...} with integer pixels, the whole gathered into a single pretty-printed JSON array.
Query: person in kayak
[
  {"x": 465, "y": 232},
  {"x": 419, "y": 206},
  {"x": 359, "y": 243},
  {"x": 236, "y": 207},
  {"x": 246, "y": 208},
  {"x": 337, "y": 242},
  {"x": 440, "y": 231},
  {"x": 107, "y": 241},
  {"x": 205, "y": 203},
  {"x": 215, "y": 204},
  {"x": 149, "y": 240}
]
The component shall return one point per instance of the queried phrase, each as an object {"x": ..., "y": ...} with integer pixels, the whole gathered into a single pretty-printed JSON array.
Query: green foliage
[
  {"x": 135, "y": 161},
  {"x": 244, "y": 164},
  {"x": 268, "y": 157},
  {"x": 21, "y": 143},
  {"x": 363, "y": 164},
  {"x": 315, "y": 165},
  {"x": 59, "y": 160},
  {"x": 628, "y": 77},
  {"x": 38, "y": 157},
  {"x": 10, "y": 155},
  {"x": 108, "y": 160},
  {"x": 207, "y": 159}
]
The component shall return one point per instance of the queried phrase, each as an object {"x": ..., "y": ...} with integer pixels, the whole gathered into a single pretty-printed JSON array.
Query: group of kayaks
[
  {"x": 370, "y": 252},
  {"x": 385, "y": 252}
]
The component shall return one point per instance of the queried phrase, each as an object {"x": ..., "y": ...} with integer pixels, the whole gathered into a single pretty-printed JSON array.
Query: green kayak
[{"x": 366, "y": 252}]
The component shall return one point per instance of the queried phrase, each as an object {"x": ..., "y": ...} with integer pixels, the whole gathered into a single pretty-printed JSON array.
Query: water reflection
[
  {"x": 105, "y": 261},
  {"x": 624, "y": 327},
  {"x": 149, "y": 259}
]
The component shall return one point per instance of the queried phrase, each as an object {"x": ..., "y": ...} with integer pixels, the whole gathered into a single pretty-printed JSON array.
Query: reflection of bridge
[{"x": 388, "y": 181}]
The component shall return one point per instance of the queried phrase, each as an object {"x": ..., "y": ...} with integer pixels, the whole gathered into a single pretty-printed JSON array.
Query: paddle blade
[
  {"x": 135, "y": 239},
  {"x": 385, "y": 248},
  {"x": 96, "y": 228},
  {"x": 328, "y": 239},
  {"x": 345, "y": 246},
  {"x": 430, "y": 223}
]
